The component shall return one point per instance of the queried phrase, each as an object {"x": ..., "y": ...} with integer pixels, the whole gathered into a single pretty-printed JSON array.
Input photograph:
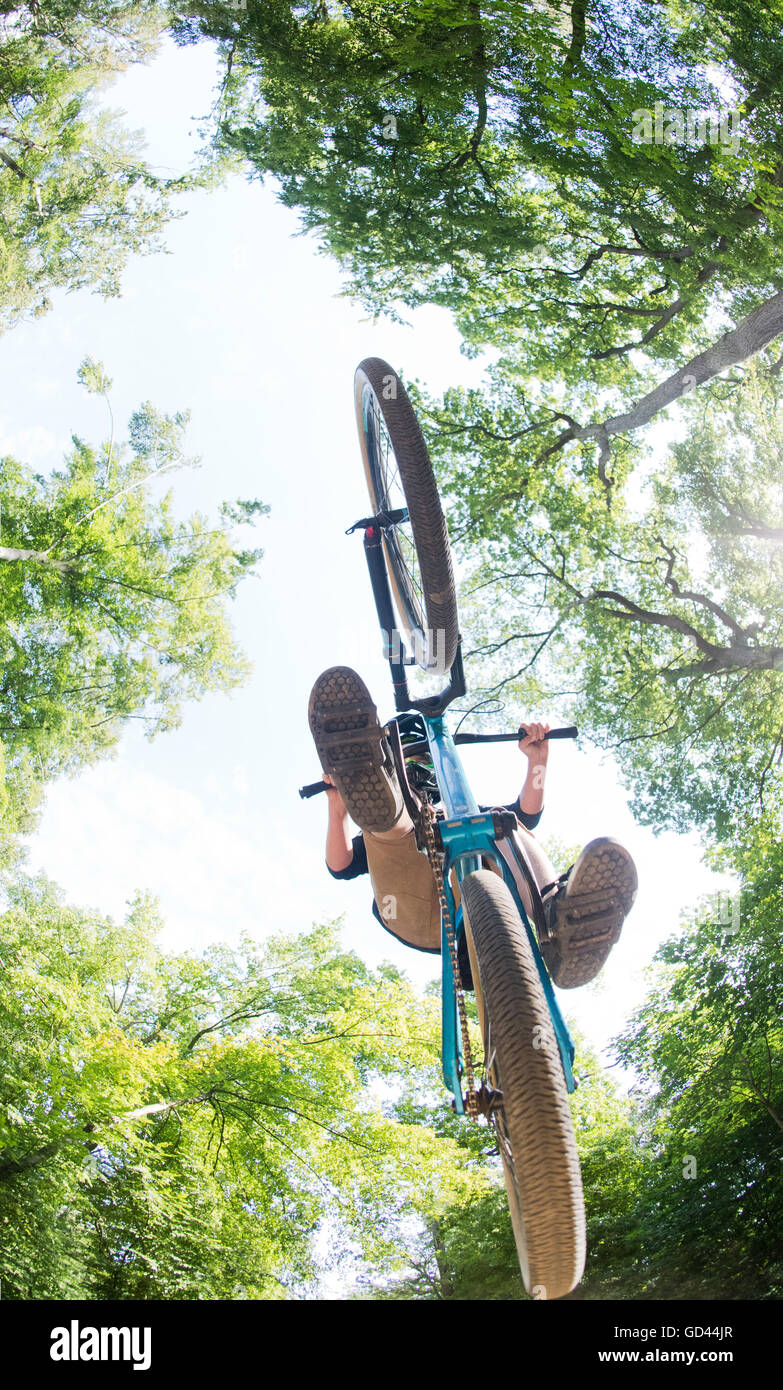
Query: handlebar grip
[
  {"x": 570, "y": 732},
  {"x": 312, "y": 789}
]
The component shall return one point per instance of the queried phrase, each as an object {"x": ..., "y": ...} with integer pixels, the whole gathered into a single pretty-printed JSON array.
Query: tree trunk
[
  {"x": 749, "y": 337},
  {"x": 23, "y": 1165},
  {"x": 444, "y": 1273},
  {"x": 41, "y": 557}
]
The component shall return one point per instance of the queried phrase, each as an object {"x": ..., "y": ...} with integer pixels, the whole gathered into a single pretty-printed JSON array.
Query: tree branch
[
  {"x": 578, "y": 37},
  {"x": 40, "y": 557},
  {"x": 752, "y": 334},
  {"x": 760, "y": 1094},
  {"x": 739, "y": 633}
]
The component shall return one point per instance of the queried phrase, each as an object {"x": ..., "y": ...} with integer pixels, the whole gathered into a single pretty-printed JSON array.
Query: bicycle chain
[{"x": 434, "y": 856}]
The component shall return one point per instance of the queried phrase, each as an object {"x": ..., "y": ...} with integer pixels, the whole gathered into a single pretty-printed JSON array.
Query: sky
[{"x": 243, "y": 323}]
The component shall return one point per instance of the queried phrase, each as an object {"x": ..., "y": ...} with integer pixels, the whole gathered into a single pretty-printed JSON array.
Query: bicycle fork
[
  {"x": 467, "y": 836},
  {"x": 394, "y": 650}
]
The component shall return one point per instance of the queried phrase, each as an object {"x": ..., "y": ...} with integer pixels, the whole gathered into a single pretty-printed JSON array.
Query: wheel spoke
[
  {"x": 416, "y": 551},
  {"x": 392, "y": 497}
]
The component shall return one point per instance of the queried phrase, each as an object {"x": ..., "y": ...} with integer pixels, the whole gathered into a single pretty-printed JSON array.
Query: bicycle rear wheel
[
  {"x": 399, "y": 474},
  {"x": 533, "y": 1121}
]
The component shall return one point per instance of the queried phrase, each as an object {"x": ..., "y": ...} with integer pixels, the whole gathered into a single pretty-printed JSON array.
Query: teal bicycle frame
[
  {"x": 414, "y": 565},
  {"x": 468, "y": 836}
]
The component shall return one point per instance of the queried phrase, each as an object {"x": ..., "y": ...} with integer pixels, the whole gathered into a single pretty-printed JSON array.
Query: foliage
[
  {"x": 180, "y": 1126},
  {"x": 655, "y": 625},
  {"x": 77, "y": 195},
  {"x": 488, "y": 159},
  {"x": 112, "y": 606},
  {"x": 707, "y": 1044}
]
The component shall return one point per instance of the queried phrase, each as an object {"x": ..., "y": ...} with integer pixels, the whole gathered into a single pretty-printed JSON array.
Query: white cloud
[
  {"x": 34, "y": 445},
  {"x": 216, "y": 870}
]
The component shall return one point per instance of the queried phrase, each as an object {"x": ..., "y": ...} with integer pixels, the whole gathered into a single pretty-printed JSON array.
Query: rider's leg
[
  {"x": 404, "y": 888},
  {"x": 403, "y": 827},
  {"x": 586, "y": 911},
  {"x": 353, "y": 751},
  {"x": 585, "y": 908}
]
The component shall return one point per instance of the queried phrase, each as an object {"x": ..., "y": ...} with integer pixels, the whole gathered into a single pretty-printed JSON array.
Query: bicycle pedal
[
  {"x": 586, "y": 942},
  {"x": 488, "y": 1099},
  {"x": 588, "y": 907}
]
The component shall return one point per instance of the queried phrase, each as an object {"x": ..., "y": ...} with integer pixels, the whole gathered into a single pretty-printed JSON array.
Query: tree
[
  {"x": 182, "y": 1126},
  {"x": 707, "y": 1046},
  {"x": 656, "y": 625},
  {"x": 552, "y": 179},
  {"x": 494, "y": 160},
  {"x": 113, "y": 608},
  {"x": 76, "y": 195}
]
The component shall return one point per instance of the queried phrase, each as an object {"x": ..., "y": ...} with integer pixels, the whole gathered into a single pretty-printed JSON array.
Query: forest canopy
[
  {"x": 593, "y": 192},
  {"x": 113, "y": 607}
]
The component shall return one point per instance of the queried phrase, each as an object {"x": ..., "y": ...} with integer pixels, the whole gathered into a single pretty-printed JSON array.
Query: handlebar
[
  {"x": 570, "y": 731},
  {"x": 312, "y": 789}
]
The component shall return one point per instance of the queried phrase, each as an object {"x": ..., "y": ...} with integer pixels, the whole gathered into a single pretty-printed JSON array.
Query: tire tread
[{"x": 545, "y": 1187}]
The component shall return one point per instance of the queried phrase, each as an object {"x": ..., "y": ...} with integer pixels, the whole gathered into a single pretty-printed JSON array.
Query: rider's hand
[
  {"x": 336, "y": 802},
  {"x": 534, "y": 744}
]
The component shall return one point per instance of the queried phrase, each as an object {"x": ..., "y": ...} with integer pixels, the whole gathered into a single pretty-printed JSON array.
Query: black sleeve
[
  {"x": 358, "y": 864},
  {"x": 529, "y": 819}
]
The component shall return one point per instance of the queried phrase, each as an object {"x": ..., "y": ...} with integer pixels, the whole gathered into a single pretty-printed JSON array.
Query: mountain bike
[{"x": 521, "y": 1083}]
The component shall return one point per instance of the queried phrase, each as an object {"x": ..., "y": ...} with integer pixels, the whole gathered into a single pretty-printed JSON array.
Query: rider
[{"x": 585, "y": 907}]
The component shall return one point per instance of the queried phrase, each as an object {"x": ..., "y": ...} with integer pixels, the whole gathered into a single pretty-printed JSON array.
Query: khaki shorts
[{"x": 405, "y": 891}]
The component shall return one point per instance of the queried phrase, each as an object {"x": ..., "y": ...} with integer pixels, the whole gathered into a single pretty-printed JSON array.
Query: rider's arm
[
  {"x": 339, "y": 849},
  {"x": 536, "y": 749}
]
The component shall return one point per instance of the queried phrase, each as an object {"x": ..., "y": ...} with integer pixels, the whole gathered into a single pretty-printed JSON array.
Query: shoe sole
[
  {"x": 351, "y": 746},
  {"x": 600, "y": 893}
]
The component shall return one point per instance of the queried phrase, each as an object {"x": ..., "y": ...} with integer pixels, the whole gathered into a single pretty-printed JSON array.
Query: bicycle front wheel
[
  {"x": 399, "y": 474},
  {"x": 533, "y": 1123}
]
